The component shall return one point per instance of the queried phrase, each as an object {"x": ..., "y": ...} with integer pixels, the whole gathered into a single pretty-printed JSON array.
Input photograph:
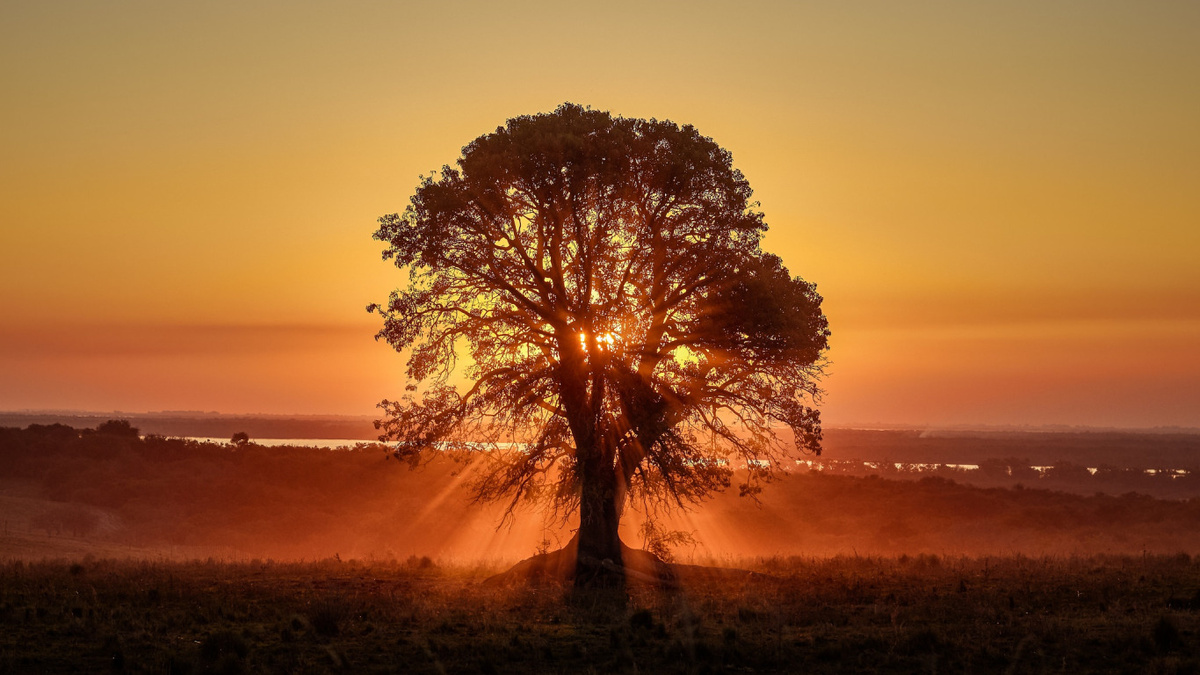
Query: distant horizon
[{"x": 855, "y": 426}]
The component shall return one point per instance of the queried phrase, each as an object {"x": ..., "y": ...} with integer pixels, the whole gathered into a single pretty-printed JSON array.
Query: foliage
[
  {"x": 118, "y": 428},
  {"x": 599, "y": 283},
  {"x": 662, "y": 543}
]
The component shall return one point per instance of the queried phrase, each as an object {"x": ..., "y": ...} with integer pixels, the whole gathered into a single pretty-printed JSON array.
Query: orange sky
[{"x": 999, "y": 203}]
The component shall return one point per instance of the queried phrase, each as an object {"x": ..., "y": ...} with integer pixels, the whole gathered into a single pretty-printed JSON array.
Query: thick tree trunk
[
  {"x": 598, "y": 553},
  {"x": 599, "y": 516}
]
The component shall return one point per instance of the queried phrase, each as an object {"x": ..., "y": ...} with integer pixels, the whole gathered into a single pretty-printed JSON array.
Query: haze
[{"x": 998, "y": 203}]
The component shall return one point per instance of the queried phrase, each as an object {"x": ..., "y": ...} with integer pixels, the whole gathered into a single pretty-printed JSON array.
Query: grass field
[
  {"x": 845, "y": 614},
  {"x": 97, "y": 531}
]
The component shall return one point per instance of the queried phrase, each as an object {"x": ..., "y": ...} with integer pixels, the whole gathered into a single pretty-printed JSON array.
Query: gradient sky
[{"x": 1000, "y": 202}]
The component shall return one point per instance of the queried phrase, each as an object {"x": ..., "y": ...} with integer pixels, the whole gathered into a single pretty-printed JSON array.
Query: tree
[
  {"x": 240, "y": 439},
  {"x": 597, "y": 285},
  {"x": 118, "y": 428}
]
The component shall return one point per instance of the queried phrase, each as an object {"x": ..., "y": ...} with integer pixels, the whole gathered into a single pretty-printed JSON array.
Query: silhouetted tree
[
  {"x": 622, "y": 334},
  {"x": 117, "y": 428},
  {"x": 240, "y": 438}
]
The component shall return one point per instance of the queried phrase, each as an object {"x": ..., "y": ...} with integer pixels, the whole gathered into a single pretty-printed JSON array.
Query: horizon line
[{"x": 959, "y": 427}]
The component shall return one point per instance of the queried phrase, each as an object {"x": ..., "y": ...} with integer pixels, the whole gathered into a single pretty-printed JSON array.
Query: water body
[
  {"x": 332, "y": 443},
  {"x": 918, "y": 467},
  {"x": 812, "y": 465}
]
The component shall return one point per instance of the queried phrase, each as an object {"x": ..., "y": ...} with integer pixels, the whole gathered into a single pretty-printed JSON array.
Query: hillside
[{"x": 65, "y": 490}]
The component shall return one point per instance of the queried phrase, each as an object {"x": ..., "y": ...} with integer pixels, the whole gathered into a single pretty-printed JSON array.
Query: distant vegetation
[
  {"x": 1114, "y": 463},
  {"x": 1119, "y": 449},
  {"x": 1022, "y": 472},
  {"x": 65, "y": 492},
  {"x": 213, "y": 425}
]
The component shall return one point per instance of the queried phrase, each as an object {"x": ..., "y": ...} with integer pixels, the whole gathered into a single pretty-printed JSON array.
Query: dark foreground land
[
  {"x": 999, "y": 570},
  {"x": 846, "y": 614}
]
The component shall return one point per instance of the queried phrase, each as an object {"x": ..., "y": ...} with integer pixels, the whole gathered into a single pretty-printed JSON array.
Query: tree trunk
[
  {"x": 598, "y": 554},
  {"x": 599, "y": 516}
]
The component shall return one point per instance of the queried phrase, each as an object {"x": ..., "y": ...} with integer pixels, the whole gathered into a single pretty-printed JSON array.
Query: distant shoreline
[
  {"x": 216, "y": 425},
  {"x": 1158, "y": 449},
  {"x": 362, "y": 427}
]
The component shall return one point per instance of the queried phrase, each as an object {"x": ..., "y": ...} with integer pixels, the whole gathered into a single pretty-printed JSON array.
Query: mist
[{"x": 69, "y": 493}]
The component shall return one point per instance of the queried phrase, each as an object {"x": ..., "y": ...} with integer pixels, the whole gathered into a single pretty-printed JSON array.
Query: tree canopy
[{"x": 588, "y": 302}]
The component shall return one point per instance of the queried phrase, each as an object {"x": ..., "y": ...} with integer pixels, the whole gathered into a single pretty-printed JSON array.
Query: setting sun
[{"x": 997, "y": 203}]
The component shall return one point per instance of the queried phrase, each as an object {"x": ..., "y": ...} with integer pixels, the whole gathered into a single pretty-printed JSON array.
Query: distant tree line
[
  {"x": 290, "y": 502},
  {"x": 1067, "y": 476}
]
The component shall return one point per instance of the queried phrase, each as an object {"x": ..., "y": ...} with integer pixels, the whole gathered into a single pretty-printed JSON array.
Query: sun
[{"x": 604, "y": 341}]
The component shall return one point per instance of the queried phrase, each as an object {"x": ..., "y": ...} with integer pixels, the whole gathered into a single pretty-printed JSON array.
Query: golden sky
[{"x": 999, "y": 201}]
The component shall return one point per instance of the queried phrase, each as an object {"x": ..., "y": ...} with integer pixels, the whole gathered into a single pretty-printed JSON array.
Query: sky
[{"x": 997, "y": 201}]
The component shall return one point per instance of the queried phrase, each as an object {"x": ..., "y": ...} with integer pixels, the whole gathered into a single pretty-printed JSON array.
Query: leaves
[{"x": 605, "y": 279}]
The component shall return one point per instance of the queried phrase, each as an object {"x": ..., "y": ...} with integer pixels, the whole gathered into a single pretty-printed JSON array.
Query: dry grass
[{"x": 906, "y": 614}]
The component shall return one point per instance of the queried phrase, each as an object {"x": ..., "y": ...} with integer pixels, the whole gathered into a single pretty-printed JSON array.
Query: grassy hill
[{"x": 65, "y": 489}]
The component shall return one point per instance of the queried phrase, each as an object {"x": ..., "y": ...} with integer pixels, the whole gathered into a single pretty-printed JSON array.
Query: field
[
  {"x": 128, "y": 554},
  {"x": 905, "y": 615}
]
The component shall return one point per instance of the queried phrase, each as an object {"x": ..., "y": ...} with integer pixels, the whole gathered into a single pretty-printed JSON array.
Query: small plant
[
  {"x": 1166, "y": 635},
  {"x": 326, "y": 616},
  {"x": 225, "y": 651},
  {"x": 422, "y": 563},
  {"x": 643, "y": 619},
  {"x": 660, "y": 542}
]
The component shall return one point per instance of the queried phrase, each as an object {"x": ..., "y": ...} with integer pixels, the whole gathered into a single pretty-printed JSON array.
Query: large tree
[{"x": 590, "y": 317}]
